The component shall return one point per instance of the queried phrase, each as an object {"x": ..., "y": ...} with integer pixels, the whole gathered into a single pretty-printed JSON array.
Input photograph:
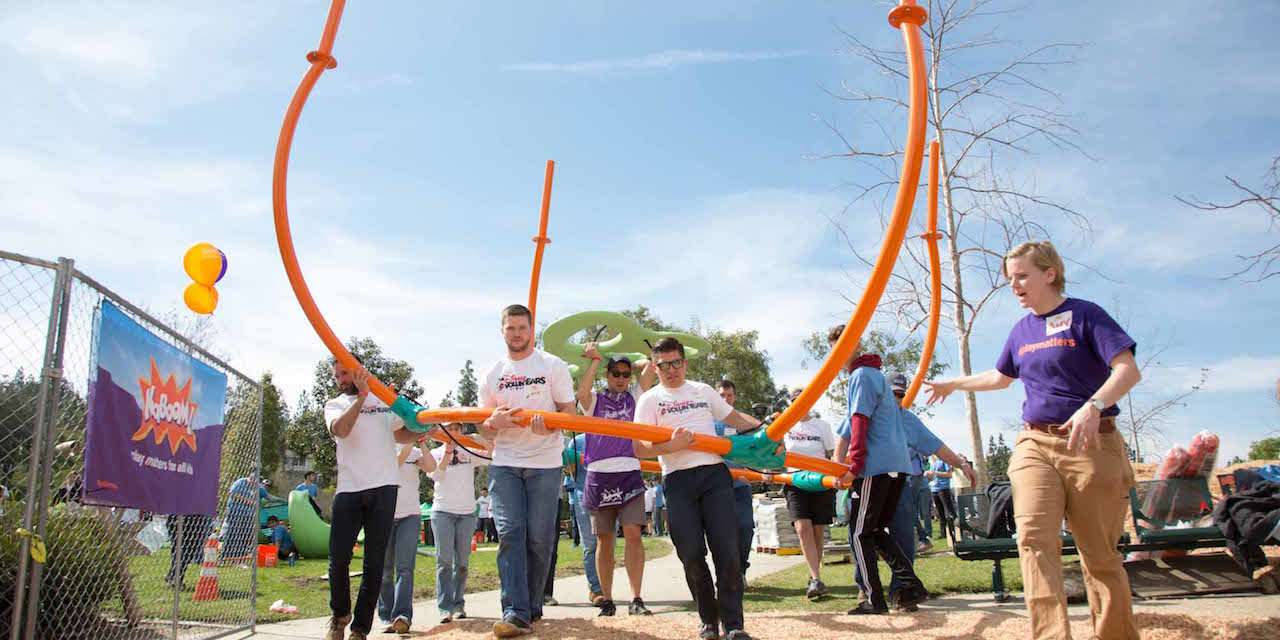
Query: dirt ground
[{"x": 923, "y": 625}]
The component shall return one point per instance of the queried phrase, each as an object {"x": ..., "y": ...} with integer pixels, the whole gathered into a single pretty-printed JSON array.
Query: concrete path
[{"x": 664, "y": 592}]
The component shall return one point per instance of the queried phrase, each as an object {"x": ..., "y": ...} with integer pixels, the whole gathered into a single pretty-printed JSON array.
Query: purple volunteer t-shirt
[{"x": 1063, "y": 357}]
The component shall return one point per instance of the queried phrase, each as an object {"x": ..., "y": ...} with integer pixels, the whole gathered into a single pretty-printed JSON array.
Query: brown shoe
[
  {"x": 337, "y": 628},
  {"x": 596, "y": 598},
  {"x": 400, "y": 625}
]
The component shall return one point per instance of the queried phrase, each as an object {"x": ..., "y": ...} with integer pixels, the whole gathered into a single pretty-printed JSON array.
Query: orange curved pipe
[
  {"x": 618, "y": 428},
  {"x": 907, "y": 17},
  {"x": 320, "y": 59},
  {"x": 931, "y": 237},
  {"x": 542, "y": 240}
]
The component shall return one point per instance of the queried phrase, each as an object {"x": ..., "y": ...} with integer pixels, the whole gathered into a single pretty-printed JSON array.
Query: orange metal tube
[
  {"x": 629, "y": 430},
  {"x": 652, "y": 466},
  {"x": 320, "y": 59},
  {"x": 541, "y": 240},
  {"x": 931, "y": 237},
  {"x": 907, "y": 17}
]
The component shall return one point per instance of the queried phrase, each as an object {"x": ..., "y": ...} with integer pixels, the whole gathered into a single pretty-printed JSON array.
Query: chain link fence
[{"x": 110, "y": 573}]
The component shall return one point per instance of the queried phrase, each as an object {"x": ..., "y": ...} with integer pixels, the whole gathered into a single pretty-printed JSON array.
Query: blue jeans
[
  {"x": 902, "y": 528},
  {"x": 453, "y": 533},
  {"x": 746, "y": 523},
  {"x": 918, "y": 487},
  {"x": 397, "y": 571},
  {"x": 525, "y": 505},
  {"x": 588, "y": 547}
]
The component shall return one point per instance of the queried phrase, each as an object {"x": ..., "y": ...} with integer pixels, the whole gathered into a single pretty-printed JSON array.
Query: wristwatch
[{"x": 1098, "y": 404}]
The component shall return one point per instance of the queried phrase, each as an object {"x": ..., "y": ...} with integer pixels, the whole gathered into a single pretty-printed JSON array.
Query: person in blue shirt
[
  {"x": 659, "y": 510},
  {"x": 742, "y": 507},
  {"x": 944, "y": 502},
  {"x": 281, "y": 538},
  {"x": 874, "y": 445},
  {"x": 309, "y": 485},
  {"x": 921, "y": 442},
  {"x": 239, "y": 532},
  {"x": 582, "y": 517}
]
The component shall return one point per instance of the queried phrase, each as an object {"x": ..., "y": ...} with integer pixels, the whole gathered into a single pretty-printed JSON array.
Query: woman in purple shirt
[{"x": 1075, "y": 363}]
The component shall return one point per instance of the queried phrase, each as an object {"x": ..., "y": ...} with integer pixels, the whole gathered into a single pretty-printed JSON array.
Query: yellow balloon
[
  {"x": 200, "y": 299},
  {"x": 204, "y": 263}
]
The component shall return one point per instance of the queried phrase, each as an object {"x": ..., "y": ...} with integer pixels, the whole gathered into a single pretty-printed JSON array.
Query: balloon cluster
[{"x": 206, "y": 264}]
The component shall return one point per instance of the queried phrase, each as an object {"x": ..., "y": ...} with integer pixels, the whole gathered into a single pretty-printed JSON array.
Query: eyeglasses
[
  {"x": 620, "y": 374},
  {"x": 678, "y": 363}
]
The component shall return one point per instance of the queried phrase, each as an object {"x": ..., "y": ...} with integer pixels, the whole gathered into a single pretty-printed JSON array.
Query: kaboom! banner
[{"x": 154, "y": 433}]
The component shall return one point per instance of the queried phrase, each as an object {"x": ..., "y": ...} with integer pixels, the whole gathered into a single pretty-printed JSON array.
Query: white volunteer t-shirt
[
  {"x": 455, "y": 482},
  {"x": 367, "y": 456},
  {"x": 694, "y": 406},
  {"x": 483, "y": 503},
  {"x": 812, "y": 437},
  {"x": 407, "y": 496},
  {"x": 538, "y": 381}
]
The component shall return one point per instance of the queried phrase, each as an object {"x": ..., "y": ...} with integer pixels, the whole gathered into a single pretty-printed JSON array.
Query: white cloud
[{"x": 661, "y": 60}]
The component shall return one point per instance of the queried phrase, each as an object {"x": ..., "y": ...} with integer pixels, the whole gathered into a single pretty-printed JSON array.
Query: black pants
[
  {"x": 944, "y": 504},
  {"x": 373, "y": 510},
  {"x": 490, "y": 530},
  {"x": 872, "y": 503},
  {"x": 701, "y": 514},
  {"x": 195, "y": 531}
]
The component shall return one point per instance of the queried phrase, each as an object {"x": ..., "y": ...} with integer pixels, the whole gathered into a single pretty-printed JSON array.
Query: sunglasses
[
  {"x": 678, "y": 363},
  {"x": 620, "y": 374}
]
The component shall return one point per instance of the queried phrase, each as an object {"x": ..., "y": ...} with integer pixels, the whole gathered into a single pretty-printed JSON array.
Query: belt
[{"x": 1105, "y": 425}]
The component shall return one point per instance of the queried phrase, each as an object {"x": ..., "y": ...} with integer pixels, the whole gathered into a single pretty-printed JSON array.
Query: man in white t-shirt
[
  {"x": 453, "y": 522},
  {"x": 365, "y": 432},
  {"x": 697, "y": 487},
  {"x": 811, "y": 512},
  {"x": 524, "y": 477},
  {"x": 485, "y": 514},
  {"x": 395, "y": 605}
]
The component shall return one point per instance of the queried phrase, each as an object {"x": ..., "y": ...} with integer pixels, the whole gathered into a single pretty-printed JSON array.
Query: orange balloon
[
  {"x": 200, "y": 298},
  {"x": 204, "y": 263}
]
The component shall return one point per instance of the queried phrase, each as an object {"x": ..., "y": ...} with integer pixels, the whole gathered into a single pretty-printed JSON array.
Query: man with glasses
[
  {"x": 614, "y": 491},
  {"x": 699, "y": 490}
]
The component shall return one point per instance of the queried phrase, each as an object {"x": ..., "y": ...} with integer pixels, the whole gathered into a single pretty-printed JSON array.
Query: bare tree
[
  {"x": 984, "y": 116},
  {"x": 1265, "y": 263},
  {"x": 1149, "y": 413}
]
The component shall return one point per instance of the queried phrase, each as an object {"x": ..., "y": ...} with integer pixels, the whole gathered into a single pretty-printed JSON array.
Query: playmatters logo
[{"x": 167, "y": 411}]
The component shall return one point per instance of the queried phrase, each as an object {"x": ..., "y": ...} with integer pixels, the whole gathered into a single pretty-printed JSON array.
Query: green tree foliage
[
  {"x": 309, "y": 436},
  {"x": 275, "y": 422},
  {"x": 998, "y": 454},
  {"x": 735, "y": 355},
  {"x": 468, "y": 387},
  {"x": 19, "y": 397},
  {"x": 898, "y": 356},
  {"x": 1265, "y": 449}
]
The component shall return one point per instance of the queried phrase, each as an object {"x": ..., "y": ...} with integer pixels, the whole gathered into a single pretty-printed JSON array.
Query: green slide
[{"x": 310, "y": 533}]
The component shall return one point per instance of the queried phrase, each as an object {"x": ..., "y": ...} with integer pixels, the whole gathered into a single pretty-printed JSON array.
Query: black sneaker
[
  {"x": 709, "y": 632},
  {"x": 866, "y": 608},
  {"x": 910, "y": 598},
  {"x": 607, "y": 608},
  {"x": 637, "y": 608},
  {"x": 815, "y": 589}
]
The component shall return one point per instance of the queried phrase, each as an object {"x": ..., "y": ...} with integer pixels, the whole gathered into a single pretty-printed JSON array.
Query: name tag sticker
[{"x": 1058, "y": 323}]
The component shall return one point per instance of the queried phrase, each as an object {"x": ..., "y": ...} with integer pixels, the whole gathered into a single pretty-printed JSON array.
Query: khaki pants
[{"x": 1090, "y": 489}]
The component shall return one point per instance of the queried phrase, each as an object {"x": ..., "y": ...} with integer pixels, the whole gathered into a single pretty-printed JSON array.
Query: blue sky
[{"x": 684, "y": 135}]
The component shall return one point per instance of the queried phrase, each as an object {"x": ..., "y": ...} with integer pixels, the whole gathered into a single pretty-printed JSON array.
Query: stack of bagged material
[{"x": 774, "y": 528}]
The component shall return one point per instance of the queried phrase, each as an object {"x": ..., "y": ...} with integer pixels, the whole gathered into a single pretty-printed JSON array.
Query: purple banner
[{"x": 154, "y": 432}]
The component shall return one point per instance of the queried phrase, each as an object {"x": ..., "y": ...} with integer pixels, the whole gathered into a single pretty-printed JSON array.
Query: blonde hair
[{"x": 1043, "y": 256}]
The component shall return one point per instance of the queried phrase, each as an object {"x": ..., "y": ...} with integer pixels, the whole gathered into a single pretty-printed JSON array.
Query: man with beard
[
  {"x": 524, "y": 477},
  {"x": 615, "y": 492},
  {"x": 366, "y": 433}
]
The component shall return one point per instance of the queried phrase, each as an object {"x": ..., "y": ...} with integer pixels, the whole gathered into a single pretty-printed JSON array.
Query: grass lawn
[
  {"x": 940, "y": 571},
  {"x": 301, "y": 585}
]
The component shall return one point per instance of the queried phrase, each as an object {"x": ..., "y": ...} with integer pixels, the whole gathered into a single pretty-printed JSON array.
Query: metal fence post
[
  {"x": 30, "y": 517},
  {"x": 257, "y": 516},
  {"x": 51, "y": 380}
]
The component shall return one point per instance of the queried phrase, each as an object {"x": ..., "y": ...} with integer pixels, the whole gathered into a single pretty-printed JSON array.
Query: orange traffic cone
[
  {"x": 207, "y": 585},
  {"x": 475, "y": 539}
]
